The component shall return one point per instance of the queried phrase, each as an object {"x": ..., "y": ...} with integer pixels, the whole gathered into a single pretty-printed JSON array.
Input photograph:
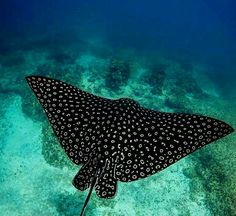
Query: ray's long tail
[{"x": 89, "y": 195}]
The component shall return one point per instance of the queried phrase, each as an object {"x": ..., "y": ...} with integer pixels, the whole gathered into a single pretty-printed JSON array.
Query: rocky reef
[
  {"x": 206, "y": 180},
  {"x": 118, "y": 73},
  {"x": 155, "y": 77}
]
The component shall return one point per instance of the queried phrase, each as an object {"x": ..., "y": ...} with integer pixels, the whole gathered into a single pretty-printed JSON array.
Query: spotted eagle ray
[{"x": 119, "y": 140}]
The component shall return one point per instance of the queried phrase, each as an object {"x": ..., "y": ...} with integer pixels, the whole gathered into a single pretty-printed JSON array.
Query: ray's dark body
[{"x": 118, "y": 140}]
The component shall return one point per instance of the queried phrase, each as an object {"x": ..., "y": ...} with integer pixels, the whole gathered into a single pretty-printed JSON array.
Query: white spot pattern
[{"x": 119, "y": 138}]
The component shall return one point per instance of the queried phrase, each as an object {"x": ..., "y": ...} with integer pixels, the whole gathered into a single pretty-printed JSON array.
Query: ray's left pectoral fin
[{"x": 106, "y": 185}]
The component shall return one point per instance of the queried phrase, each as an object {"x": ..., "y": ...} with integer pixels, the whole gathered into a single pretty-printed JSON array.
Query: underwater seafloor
[{"x": 36, "y": 175}]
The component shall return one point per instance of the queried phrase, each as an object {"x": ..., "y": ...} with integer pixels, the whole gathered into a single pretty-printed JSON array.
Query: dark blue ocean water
[{"x": 190, "y": 30}]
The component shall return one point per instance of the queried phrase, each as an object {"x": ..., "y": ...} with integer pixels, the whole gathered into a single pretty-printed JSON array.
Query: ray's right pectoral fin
[
  {"x": 106, "y": 185},
  {"x": 84, "y": 177}
]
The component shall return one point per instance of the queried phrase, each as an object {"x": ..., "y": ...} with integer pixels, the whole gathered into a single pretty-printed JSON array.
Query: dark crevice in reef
[
  {"x": 51, "y": 149},
  {"x": 155, "y": 78},
  {"x": 31, "y": 107},
  {"x": 118, "y": 74}
]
